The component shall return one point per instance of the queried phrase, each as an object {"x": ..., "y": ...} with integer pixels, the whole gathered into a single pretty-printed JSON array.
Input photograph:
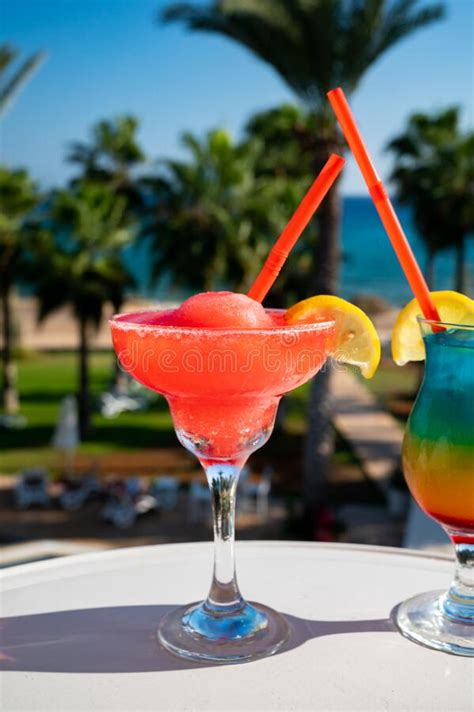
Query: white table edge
[{"x": 114, "y": 554}]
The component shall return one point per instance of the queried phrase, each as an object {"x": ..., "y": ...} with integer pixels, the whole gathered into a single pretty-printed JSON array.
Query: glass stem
[
  {"x": 224, "y": 595},
  {"x": 458, "y": 603}
]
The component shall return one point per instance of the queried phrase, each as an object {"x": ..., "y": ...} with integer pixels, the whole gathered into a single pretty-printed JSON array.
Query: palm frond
[
  {"x": 10, "y": 87},
  {"x": 314, "y": 45},
  {"x": 402, "y": 19},
  {"x": 433, "y": 174}
]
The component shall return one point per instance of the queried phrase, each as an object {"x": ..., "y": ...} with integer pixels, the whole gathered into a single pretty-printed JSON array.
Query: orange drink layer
[{"x": 441, "y": 478}]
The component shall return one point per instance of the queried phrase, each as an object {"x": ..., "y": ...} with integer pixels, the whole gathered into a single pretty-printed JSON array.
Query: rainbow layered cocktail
[
  {"x": 438, "y": 461},
  {"x": 438, "y": 451},
  {"x": 223, "y": 385}
]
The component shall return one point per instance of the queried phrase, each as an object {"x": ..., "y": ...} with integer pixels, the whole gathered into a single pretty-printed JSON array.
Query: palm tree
[
  {"x": 111, "y": 157},
  {"x": 11, "y": 84},
  {"x": 213, "y": 217},
  {"x": 79, "y": 265},
  {"x": 287, "y": 133},
  {"x": 434, "y": 175},
  {"x": 19, "y": 196},
  {"x": 314, "y": 46}
]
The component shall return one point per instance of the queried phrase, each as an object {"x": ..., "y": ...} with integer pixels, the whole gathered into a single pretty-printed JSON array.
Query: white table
[{"x": 79, "y": 633}]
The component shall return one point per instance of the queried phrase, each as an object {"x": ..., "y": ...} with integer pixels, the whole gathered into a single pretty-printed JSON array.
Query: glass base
[
  {"x": 196, "y": 633},
  {"x": 422, "y": 619}
]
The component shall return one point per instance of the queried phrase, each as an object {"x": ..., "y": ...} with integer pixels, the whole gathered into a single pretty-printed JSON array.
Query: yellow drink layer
[{"x": 440, "y": 475}]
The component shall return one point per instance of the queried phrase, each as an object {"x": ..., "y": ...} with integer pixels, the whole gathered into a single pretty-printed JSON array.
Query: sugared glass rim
[
  {"x": 119, "y": 321},
  {"x": 444, "y": 324}
]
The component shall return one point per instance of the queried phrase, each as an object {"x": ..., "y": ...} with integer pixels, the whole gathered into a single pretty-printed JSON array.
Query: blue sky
[{"x": 107, "y": 57}]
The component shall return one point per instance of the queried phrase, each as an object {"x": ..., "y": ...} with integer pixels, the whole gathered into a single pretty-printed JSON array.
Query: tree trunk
[
  {"x": 328, "y": 250},
  {"x": 460, "y": 283},
  {"x": 83, "y": 398},
  {"x": 429, "y": 269},
  {"x": 319, "y": 445},
  {"x": 9, "y": 393}
]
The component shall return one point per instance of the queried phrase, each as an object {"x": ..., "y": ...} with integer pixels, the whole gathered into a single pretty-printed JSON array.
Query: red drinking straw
[
  {"x": 383, "y": 205},
  {"x": 303, "y": 214}
]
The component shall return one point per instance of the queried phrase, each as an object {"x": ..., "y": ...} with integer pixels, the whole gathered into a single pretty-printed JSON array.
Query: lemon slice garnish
[
  {"x": 407, "y": 342},
  {"x": 357, "y": 342}
]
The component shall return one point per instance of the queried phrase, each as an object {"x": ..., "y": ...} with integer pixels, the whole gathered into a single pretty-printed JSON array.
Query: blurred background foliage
[{"x": 210, "y": 217}]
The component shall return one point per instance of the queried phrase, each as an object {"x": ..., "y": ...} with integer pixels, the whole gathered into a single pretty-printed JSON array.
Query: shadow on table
[{"x": 123, "y": 639}]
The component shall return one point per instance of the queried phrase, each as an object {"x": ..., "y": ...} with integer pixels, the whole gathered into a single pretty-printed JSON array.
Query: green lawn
[{"x": 44, "y": 380}]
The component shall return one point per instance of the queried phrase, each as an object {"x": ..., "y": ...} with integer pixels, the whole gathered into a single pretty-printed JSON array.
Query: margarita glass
[
  {"x": 438, "y": 461},
  {"x": 223, "y": 386}
]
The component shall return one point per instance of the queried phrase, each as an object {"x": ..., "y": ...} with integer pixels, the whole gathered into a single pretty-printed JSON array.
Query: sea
[{"x": 368, "y": 267}]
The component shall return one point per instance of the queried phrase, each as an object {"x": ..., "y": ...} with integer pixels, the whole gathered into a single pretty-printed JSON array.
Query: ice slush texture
[{"x": 220, "y": 310}]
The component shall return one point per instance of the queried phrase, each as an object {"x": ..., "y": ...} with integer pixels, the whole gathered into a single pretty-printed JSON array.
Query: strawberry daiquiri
[{"x": 223, "y": 362}]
